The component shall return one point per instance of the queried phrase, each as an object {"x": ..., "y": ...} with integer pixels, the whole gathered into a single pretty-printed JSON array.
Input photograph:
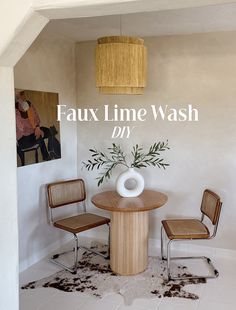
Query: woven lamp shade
[{"x": 121, "y": 65}]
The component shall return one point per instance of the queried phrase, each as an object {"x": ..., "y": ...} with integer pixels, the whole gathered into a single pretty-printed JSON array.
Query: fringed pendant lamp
[{"x": 121, "y": 65}]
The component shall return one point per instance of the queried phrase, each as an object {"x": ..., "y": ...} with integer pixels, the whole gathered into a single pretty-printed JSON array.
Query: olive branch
[{"x": 116, "y": 157}]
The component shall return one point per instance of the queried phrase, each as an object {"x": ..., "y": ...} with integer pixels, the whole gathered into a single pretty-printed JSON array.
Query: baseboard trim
[
  {"x": 190, "y": 247},
  {"x": 153, "y": 248}
]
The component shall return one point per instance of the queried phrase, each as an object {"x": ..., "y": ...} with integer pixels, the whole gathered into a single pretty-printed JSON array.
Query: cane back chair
[
  {"x": 193, "y": 229},
  {"x": 64, "y": 193}
]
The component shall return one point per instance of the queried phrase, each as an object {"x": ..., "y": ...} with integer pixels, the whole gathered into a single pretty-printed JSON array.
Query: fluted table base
[
  {"x": 129, "y": 242},
  {"x": 129, "y": 228}
]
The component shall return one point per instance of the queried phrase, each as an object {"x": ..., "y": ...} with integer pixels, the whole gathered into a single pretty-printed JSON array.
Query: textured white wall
[
  {"x": 49, "y": 65},
  {"x": 193, "y": 69},
  {"x": 13, "y": 15},
  {"x": 8, "y": 218}
]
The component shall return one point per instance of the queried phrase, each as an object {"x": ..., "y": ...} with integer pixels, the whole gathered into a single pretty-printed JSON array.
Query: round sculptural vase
[{"x": 130, "y": 175}]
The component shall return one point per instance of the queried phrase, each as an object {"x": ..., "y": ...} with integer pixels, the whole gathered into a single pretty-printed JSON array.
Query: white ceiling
[{"x": 179, "y": 21}]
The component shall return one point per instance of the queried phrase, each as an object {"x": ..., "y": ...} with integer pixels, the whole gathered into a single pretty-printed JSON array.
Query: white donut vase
[{"x": 124, "y": 177}]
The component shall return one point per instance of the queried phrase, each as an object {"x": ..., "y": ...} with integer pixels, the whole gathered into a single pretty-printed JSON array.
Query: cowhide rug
[{"x": 95, "y": 277}]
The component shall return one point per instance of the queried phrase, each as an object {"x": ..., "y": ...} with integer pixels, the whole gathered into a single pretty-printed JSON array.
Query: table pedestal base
[{"x": 129, "y": 242}]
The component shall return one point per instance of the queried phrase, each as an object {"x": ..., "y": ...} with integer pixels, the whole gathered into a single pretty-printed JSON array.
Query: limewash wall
[
  {"x": 8, "y": 219},
  {"x": 49, "y": 65},
  {"x": 197, "y": 69}
]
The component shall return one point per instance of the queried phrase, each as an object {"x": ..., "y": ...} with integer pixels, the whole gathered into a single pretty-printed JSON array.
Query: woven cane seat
[
  {"x": 185, "y": 229},
  {"x": 82, "y": 222}
]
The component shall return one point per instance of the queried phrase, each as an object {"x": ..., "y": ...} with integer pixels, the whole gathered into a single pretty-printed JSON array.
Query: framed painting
[{"x": 37, "y": 128}]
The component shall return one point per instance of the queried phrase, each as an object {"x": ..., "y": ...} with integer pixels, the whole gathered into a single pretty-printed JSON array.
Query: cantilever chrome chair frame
[
  {"x": 214, "y": 272},
  {"x": 54, "y": 258}
]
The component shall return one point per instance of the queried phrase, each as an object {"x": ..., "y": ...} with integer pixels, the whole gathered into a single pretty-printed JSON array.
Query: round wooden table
[{"x": 129, "y": 228}]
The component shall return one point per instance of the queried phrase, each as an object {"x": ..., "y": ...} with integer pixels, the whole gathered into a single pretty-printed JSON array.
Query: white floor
[{"x": 217, "y": 294}]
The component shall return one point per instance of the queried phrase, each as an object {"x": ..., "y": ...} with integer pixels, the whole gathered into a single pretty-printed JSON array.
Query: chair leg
[
  {"x": 214, "y": 271},
  {"x": 76, "y": 252},
  {"x": 162, "y": 254},
  {"x": 36, "y": 156},
  {"x": 106, "y": 256},
  {"x": 168, "y": 260},
  {"x": 21, "y": 155},
  {"x": 72, "y": 269}
]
